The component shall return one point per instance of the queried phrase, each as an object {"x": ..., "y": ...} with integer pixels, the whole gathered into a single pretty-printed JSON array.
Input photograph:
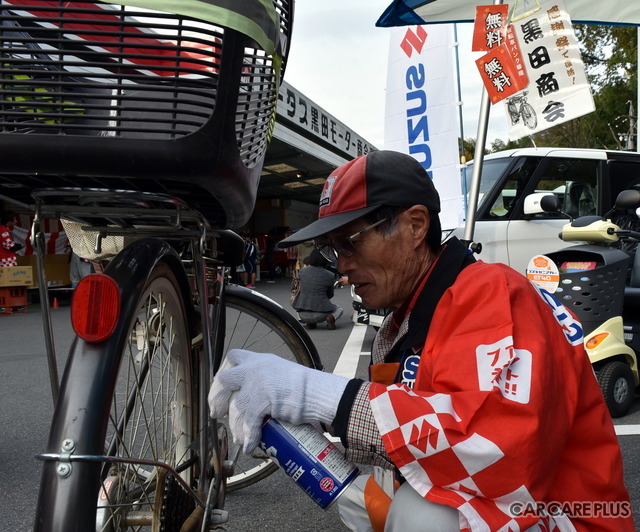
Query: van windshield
[{"x": 492, "y": 169}]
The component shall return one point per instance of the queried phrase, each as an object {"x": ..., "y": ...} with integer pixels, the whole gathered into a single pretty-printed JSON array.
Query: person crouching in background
[{"x": 313, "y": 302}]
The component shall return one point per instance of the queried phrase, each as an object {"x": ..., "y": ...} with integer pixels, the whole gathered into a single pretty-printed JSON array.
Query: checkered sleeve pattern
[
  {"x": 363, "y": 437},
  {"x": 387, "y": 337}
]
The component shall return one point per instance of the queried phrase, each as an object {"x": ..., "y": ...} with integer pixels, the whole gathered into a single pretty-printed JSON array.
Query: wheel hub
[{"x": 620, "y": 390}]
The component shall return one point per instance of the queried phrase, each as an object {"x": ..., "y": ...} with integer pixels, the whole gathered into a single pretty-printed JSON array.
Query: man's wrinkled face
[{"x": 384, "y": 267}]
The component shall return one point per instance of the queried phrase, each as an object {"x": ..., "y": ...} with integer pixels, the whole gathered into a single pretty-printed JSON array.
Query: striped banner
[{"x": 55, "y": 237}]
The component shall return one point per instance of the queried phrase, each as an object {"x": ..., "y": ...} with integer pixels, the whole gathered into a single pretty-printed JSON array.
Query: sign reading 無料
[{"x": 501, "y": 68}]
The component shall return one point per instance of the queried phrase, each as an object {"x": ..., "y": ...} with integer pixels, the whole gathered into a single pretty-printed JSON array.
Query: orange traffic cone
[{"x": 55, "y": 303}]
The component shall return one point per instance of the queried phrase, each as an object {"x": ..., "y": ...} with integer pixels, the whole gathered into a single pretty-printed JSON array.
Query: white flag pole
[
  {"x": 478, "y": 159},
  {"x": 462, "y": 159}
]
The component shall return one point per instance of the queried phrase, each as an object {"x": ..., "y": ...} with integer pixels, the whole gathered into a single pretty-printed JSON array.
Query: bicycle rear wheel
[
  {"x": 152, "y": 417},
  {"x": 127, "y": 412},
  {"x": 257, "y": 323}
]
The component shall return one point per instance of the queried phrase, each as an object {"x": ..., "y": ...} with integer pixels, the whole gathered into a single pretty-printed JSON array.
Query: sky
[{"x": 339, "y": 58}]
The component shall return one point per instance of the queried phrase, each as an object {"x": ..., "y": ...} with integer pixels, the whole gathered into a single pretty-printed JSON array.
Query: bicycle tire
[
  {"x": 147, "y": 409},
  {"x": 257, "y": 323},
  {"x": 529, "y": 116}
]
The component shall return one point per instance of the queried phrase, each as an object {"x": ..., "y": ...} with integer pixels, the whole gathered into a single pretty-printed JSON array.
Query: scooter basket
[
  {"x": 112, "y": 95},
  {"x": 593, "y": 295}
]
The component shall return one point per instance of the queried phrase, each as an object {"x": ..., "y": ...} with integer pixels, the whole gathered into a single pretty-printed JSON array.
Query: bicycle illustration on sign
[{"x": 518, "y": 107}]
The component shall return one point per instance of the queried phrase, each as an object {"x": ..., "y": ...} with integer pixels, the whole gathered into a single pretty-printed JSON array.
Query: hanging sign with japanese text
[
  {"x": 490, "y": 27},
  {"x": 558, "y": 89},
  {"x": 502, "y": 67}
]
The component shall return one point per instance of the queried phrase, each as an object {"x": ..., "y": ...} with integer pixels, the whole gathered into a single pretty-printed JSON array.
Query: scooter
[{"x": 599, "y": 282}]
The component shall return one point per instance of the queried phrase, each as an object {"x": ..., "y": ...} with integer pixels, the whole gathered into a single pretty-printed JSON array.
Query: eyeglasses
[{"x": 344, "y": 246}]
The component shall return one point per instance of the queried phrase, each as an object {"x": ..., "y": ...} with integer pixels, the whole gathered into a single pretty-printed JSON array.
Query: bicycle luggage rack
[
  {"x": 106, "y": 95},
  {"x": 90, "y": 216}
]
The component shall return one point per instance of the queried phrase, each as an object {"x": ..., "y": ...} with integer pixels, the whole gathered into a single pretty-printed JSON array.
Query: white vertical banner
[{"x": 421, "y": 116}]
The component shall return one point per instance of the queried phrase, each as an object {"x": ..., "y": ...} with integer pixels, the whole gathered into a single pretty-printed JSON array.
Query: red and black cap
[{"x": 363, "y": 185}]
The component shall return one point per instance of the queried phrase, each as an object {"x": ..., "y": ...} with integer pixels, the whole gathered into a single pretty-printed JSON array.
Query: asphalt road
[{"x": 274, "y": 504}]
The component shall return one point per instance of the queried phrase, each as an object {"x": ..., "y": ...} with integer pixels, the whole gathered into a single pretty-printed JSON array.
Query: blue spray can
[{"x": 313, "y": 461}]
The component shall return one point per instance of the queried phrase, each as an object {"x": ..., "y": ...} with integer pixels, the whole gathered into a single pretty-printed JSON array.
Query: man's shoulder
[{"x": 482, "y": 273}]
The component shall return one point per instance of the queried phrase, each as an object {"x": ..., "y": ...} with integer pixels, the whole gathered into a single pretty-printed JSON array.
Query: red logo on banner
[
  {"x": 490, "y": 27},
  {"x": 502, "y": 69},
  {"x": 414, "y": 40}
]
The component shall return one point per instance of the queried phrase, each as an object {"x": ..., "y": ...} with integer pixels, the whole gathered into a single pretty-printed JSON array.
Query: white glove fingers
[
  {"x": 236, "y": 357},
  {"x": 224, "y": 384},
  {"x": 218, "y": 400},
  {"x": 236, "y": 422},
  {"x": 245, "y": 421},
  {"x": 252, "y": 438}
]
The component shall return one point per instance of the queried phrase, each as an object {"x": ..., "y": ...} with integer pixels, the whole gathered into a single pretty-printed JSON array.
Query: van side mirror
[
  {"x": 541, "y": 202},
  {"x": 628, "y": 200}
]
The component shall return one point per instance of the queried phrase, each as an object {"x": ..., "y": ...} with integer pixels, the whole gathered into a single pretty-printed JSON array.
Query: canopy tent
[
  {"x": 420, "y": 12},
  {"x": 410, "y": 12}
]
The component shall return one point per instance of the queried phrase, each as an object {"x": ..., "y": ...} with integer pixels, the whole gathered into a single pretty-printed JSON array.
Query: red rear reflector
[{"x": 95, "y": 307}]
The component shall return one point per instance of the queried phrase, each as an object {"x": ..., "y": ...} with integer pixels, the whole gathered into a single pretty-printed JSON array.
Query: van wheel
[{"x": 617, "y": 385}]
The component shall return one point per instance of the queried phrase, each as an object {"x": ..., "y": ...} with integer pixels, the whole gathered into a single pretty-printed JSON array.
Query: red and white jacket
[{"x": 505, "y": 420}]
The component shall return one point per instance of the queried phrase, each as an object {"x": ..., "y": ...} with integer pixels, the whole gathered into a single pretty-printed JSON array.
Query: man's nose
[{"x": 346, "y": 264}]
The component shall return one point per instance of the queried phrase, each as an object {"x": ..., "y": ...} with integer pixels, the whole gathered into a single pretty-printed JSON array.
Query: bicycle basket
[
  {"x": 593, "y": 295},
  {"x": 83, "y": 242},
  {"x": 114, "y": 95}
]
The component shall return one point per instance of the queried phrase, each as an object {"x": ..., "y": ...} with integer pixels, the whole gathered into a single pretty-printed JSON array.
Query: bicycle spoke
[
  {"x": 150, "y": 416},
  {"x": 256, "y": 325}
]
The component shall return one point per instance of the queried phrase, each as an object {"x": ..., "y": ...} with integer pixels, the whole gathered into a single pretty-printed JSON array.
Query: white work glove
[{"x": 251, "y": 386}]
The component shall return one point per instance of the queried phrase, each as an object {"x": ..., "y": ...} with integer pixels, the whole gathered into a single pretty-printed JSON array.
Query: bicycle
[
  {"x": 518, "y": 107},
  {"x": 145, "y": 132}
]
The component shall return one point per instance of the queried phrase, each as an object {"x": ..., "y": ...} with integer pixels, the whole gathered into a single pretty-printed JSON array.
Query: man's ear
[{"x": 418, "y": 218}]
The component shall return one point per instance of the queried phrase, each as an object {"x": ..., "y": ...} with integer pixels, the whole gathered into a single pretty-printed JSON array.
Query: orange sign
[
  {"x": 490, "y": 27},
  {"x": 500, "y": 74},
  {"x": 543, "y": 272}
]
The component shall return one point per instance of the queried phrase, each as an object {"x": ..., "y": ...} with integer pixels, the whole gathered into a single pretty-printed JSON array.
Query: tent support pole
[{"x": 478, "y": 159}]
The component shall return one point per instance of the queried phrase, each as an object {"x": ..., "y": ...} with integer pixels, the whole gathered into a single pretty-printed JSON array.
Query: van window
[
  {"x": 505, "y": 195},
  {"x": 623, "y": 175},
  {"x": 574, "y": 182},
  {"x": 492, "y": 170}
]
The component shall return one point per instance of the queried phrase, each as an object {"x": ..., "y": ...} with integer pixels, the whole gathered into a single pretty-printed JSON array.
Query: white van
[{"x": 508, "y": 224}]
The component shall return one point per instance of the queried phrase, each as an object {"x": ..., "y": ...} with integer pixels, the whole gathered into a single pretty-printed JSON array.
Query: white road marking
[
  {"x": 348, "y": 362},
  {"x": 627, "y": 430}
]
